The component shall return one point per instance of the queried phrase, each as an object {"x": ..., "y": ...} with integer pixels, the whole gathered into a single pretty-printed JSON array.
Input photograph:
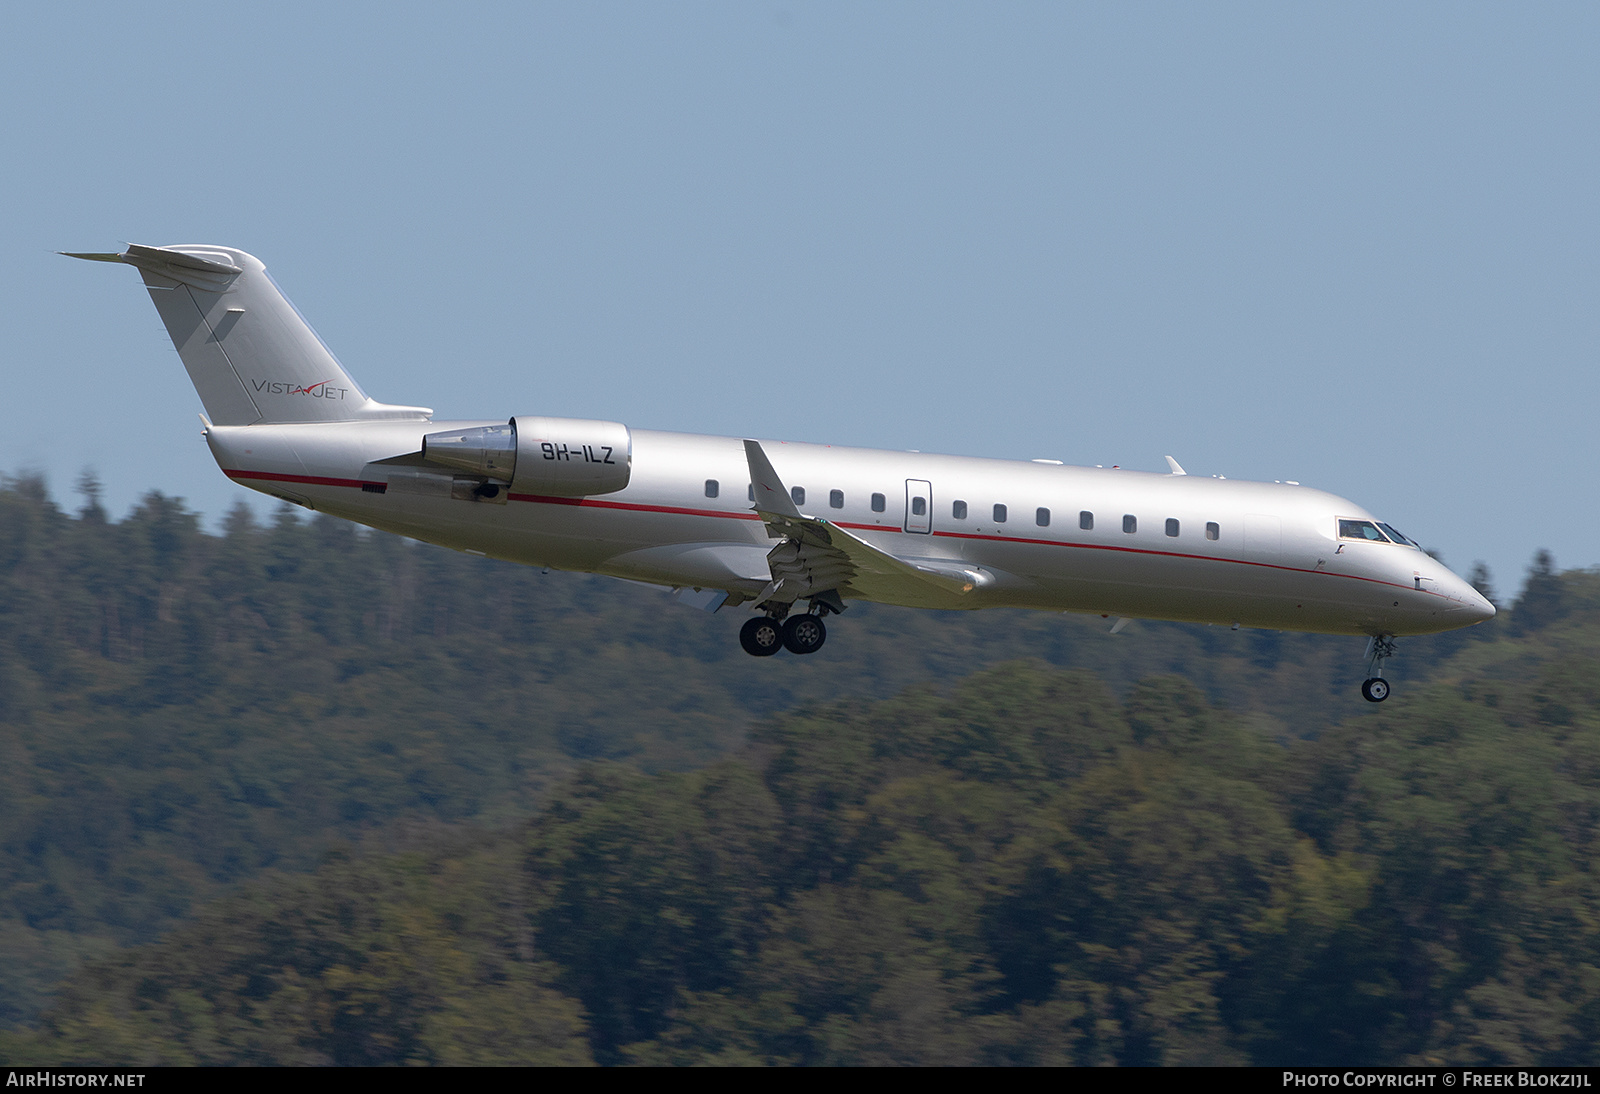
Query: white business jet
[{"x": 700, "y": 514}]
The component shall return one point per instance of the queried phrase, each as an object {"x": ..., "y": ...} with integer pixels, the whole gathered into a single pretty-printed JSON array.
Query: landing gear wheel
[
  {"x": 1375, "y": 689},
  {"x": 761, "y": 637},
  {"x": 804, "y": 634}
]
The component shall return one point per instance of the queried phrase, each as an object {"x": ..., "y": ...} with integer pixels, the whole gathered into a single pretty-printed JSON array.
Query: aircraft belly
[
  {"x": 726, "y": 566},
  {"x": 567, "y": 538},
  {"x": 1207, "y": 590}
]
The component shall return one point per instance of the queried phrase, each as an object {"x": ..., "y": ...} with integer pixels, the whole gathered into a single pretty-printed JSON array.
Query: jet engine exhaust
[{"x": 488, "y": 450}]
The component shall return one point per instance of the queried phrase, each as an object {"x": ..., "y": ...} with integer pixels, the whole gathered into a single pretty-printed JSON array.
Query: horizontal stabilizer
[
  {"x": 139, "y": 255},
  {"x": 210, "y": 270}
]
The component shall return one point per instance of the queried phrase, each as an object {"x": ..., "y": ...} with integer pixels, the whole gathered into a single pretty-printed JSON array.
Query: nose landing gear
[{"x": 1375, "y": 689}]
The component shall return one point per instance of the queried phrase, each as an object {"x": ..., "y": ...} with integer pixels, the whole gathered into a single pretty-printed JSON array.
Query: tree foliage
[{"x": 618, "y": 850}]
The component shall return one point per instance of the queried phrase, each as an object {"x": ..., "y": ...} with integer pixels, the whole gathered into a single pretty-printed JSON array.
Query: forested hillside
[{"x": 557, "y": 818}]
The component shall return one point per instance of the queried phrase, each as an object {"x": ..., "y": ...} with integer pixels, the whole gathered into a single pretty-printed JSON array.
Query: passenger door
[{"x": 919, "y": 506}]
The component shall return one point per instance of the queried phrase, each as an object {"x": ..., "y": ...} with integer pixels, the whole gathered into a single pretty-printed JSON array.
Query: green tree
[{"x": 1543, "y": 600}]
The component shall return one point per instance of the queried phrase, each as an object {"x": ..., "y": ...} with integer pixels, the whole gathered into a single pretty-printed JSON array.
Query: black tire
[
  {"x": 1375, "y": 690},
  {"x": 804, "y": 634},
  {"x": 761, "y": 637}
]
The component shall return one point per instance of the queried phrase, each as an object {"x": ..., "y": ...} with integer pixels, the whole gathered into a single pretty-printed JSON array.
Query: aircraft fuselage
[{"x": 1101, "y": 540}]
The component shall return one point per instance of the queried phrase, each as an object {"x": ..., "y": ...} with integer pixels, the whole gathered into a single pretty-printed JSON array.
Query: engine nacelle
[
  {"x": 556, "y": 457},
  {"x": 571, "y": 457},
  {"x": 487, "y": 450}
]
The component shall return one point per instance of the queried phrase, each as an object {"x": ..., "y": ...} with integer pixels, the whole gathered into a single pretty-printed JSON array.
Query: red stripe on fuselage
[
  {"x": 723, "y": 514},
  {"x": 309, "y": 480},
  {"x": 633, "y": 507}
]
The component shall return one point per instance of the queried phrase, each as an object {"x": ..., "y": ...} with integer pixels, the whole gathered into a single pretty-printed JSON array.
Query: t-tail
[{"x": 252, "y": 357}]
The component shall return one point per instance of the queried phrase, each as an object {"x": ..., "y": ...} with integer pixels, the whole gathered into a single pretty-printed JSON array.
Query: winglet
[
  {"x": 1176, "y": 470},
  {"x": 771, "y": 495}
]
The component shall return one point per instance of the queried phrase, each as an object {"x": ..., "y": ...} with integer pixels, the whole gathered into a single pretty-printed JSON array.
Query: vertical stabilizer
[{"x": 250, "y": 354}]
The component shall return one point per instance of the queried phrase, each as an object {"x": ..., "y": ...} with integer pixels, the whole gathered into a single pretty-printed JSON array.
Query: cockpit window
[
  {"x": 1398, "y": 538},
  {"x": 1360, "y": 529}
]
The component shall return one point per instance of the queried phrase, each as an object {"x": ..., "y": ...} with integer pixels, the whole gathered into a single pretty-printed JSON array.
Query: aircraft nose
[
  {"x": 1473, "y": 605},
  {"x": 1478, "y": 607}
]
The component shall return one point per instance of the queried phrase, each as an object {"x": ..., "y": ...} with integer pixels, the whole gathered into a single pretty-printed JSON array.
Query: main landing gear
[
  {"x": 764, "y": 635},
  {"x": 804, "y": 633},
  {"x": 761, "y": 636},
  {"x": 1375, "y": 689}
]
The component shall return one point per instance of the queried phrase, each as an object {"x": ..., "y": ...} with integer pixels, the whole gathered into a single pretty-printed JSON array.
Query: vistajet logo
[{"x": 320, "y": 390}]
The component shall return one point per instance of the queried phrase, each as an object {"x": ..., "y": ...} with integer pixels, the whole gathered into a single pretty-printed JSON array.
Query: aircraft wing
[{"x": 817, "y": 556}]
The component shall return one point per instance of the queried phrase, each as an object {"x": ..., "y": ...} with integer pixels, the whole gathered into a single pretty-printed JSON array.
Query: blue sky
[{"x": 1353, "y": 245}]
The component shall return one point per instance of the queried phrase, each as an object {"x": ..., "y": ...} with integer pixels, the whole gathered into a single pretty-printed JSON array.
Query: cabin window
[
  {"x": 1213, "y": 530},
  {"x": 798, "y": 493},
  {"x": 1360, "y": 529},
  {"x": 1041, "y": 517},
  {"x": 919, "y": 507},
  {"x": 1172, "y": 527},
  {"x": 835, "y": 499},
  {"x": 878, "y": 503},
  {"x": 999, "y": 514},
  {"x": 1086, "y": 521},
  {"x": 711, "y": 488},
  {"x": 958, "y": 510},
  {"x": 1130, "y": 523}
]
